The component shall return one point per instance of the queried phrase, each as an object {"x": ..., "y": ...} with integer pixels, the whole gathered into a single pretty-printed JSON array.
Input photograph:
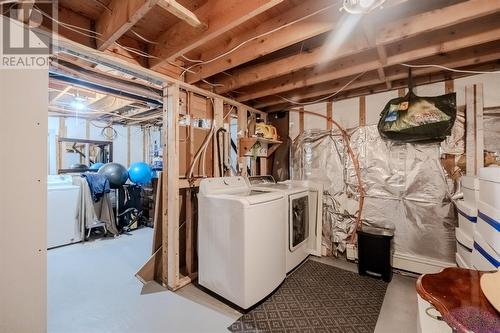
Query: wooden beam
[
  {"x": 268, "y": 70},
  {"x": 171, "y": 243},
  {"x": 369, "y": 79},
  {"x": 67, "y": 45},
  {"x": 352, "y": 65},
  {"x": 362, "y": 111},
  {"x": 61, "y": 94},
  {"x": 449, "y": 86},
  {"x": 221, "y": 15},
  {"x": 329, "y": 114},
  {"x": 124, "y": 14},
  {"x": 219, "y": 123},
  {"x": 242, "y": 133},
  {"x": 257, "y": 47},
  {"x": 301, "y": 120},
  {"x": 369, "y": 32},
  {"x": 309, "y": 78},
  {"x": 436, "y": 19},
  {"x": 178, "y": 10},
  {"x": 444, "y": 41}
]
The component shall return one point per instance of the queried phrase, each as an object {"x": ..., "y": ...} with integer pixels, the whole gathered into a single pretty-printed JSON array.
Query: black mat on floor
[{"x": 318, "y": 298}]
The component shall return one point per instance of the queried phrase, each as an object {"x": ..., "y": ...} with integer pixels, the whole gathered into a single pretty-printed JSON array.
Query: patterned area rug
[{"x": 318, "y": 298}]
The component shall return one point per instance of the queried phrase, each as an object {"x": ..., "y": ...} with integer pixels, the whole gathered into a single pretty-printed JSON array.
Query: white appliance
[
  {"x": 62, "y": 205},
  {"x": 241, "y": 236},
  {"x": 303, "y": 217}
]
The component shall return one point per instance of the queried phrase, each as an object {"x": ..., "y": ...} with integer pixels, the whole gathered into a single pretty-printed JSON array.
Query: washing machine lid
[
  {"x": 255, "y": 196},
  {"x": 260, "y": 180},
  {"x": 289, "y": 188}
]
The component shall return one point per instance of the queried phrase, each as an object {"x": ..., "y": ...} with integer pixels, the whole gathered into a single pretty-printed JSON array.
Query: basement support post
[
  {"x": 329, "y": 115},
  {"x": 362, "y": 111},
  {"x": 242, "y": 133},
  {"x": 218, "y": 119},
  {"x": 474, "y": 136},
  {"x": 170, "y": 235}
]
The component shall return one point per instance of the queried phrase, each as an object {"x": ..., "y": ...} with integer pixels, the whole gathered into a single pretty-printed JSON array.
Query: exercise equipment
[
  {"x": 140, "y": 173},
  {"x": 116, "y": 173},
  {"x": 78, "y": 167},
  {"x": 96, "y": 166}
]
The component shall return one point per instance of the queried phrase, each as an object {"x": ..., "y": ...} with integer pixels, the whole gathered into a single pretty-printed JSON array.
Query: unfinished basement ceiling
[{"x": 272, "y": 53}]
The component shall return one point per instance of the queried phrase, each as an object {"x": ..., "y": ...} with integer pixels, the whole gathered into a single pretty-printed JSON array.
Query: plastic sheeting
[{"x": 405, "y": 188}]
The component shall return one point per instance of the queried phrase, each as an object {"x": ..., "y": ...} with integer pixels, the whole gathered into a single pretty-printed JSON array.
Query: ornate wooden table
[{"x": 456, "y": 294}]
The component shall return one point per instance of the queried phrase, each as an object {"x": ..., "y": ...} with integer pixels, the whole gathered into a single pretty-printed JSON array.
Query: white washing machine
[
  {"x": 241, "y": 236},
  {"x": 304, "y": 216},
  {"x": 62, "y": 205}
]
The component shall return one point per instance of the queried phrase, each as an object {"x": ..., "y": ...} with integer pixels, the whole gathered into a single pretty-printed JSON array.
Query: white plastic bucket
[
  {"x": 465, "y": 243},
  {"x": 470, "y": 189},
  {"x": 483, "y": 256},
  {"x": 488, "y": 225},
  {"x": 467, "y": 217},
  {"x": 489, "y": 186}
]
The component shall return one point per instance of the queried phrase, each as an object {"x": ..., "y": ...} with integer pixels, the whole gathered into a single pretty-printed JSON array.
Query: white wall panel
[{"x": 23, "y": 175}]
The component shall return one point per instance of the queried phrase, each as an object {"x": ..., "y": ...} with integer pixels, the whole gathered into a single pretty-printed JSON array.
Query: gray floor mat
[{"x": 318, "y": 298}]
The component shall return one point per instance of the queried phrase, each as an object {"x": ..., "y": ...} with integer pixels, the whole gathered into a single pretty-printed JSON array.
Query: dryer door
[{"x": 298, "y": 219}]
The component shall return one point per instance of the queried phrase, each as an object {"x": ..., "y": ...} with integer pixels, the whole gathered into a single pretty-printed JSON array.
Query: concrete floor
[{"x": 92, "y": 288}]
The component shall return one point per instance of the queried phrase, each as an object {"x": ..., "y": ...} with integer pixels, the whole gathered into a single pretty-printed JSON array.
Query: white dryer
[
  {"x": 241, "y": 236},
  {"x": 304, "y": 216}
]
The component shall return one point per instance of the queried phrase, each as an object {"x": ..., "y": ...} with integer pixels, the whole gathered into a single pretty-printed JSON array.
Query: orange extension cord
[{"x": 355, "y": 162}]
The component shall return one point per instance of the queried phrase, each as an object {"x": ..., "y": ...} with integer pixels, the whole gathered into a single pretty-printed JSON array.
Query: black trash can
[{"x": 374, "y": 252}]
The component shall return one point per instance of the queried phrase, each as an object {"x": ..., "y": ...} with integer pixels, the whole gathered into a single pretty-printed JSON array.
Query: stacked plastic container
[
  {"x": 486, "y": 247},
  {"x": 467, "y": 220}
]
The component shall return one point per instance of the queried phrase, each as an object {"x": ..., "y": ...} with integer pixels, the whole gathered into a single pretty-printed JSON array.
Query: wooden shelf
[{"x": 246, "y": 145}]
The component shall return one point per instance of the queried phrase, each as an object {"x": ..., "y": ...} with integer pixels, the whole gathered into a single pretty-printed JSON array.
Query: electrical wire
[
  {"x": 324, "y": 98},
  {"x": 191, "y": 60},
  {"x": 448, "y": 69},
  {"x": 103, "y": 6},
  {"x": 204, "y": 62},
  {"x": 142, "y": 37},
  {"x": 68, "y": 26}
]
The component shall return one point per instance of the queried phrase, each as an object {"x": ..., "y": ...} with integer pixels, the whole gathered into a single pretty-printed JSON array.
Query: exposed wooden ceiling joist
[
  {"x": 253, "y": 74},
  {"x": 178, "y": 10},
  {"x": 487, "y": 31},
  {"x": 311, "y": 25},
  {"x": 420, "y": 24},
  {"x": 468, "y": 58},
  {"x": 220, "y": 15},
  {"x": 436, "y": 19},
  {"x": 124, "y": 14}
]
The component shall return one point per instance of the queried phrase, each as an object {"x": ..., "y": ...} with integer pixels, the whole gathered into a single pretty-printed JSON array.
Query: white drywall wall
[
  {"x": 23, "y": 204},
  {"x": 136, "y": 144}
]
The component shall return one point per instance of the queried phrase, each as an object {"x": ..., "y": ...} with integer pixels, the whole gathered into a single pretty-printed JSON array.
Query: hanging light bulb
[
  {"x": 78, "y": 103},
  {"x": 361, "y": 6}
]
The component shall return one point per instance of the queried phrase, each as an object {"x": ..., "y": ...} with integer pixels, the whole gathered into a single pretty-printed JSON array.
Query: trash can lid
[{"x": 376, "y": 231}]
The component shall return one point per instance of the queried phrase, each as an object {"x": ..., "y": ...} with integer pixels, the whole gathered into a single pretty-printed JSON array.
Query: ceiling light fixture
[
  {"x": 361, "y": 6},
  {"x": 78, "y": 103}
]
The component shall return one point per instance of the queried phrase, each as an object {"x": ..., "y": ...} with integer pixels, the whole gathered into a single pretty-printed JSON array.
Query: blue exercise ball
[
  {"x": 140, "y": 173},
  {"x": 96, "y": 166},
  {"x": 116, "y": 173}
]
